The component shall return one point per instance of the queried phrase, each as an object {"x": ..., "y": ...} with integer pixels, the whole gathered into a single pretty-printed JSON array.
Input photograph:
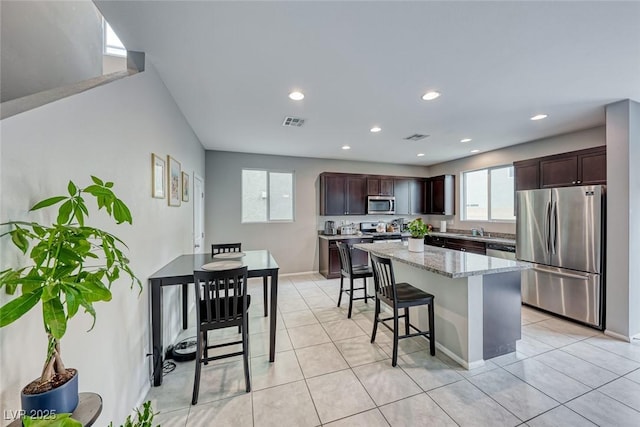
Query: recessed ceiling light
[
  {"x": 539, "y": 117},
  {"x": 375, "y": 129},
  {"x": 465, "y": 140},
  {"x": 296, "y": 96},
  {"x": 346, "y": 147},
  {"x": 431, "y": 95},
  {"x": 475, "y": 151},
  {"x": 420, "y": 154}
]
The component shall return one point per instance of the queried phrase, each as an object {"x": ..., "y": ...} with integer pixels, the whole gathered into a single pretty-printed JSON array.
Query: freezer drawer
[{"x": 569, "y": 293}]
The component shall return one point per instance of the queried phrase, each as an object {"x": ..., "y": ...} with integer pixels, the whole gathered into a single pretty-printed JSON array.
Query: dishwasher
[{"x": 500, "y": 250}]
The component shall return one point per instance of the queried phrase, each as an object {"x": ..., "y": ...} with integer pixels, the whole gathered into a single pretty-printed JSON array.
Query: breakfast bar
[{"x": 477, "y": 298}]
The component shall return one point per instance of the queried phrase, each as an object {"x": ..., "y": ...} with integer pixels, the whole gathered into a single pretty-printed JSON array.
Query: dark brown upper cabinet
[
  {"x": 527, "y": 174},
  {"x": 380, "y": 186},
  {"x": 441, "y": 191},
  {"x": 592, "y": 167},
  {"x": 583, "y": 167},
  {"x": 342, "y": 194}
]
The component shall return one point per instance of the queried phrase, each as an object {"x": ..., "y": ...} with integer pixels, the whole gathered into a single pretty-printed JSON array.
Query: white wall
[
  {"x": 109, "y": 131},
  {"x": 623, "y": 219},
  {"x": 554, "y": 145},
  {"x": 48, "y": 44},
  {"x": 294, "y": 245},
  {"x": 113, "y": 64}
]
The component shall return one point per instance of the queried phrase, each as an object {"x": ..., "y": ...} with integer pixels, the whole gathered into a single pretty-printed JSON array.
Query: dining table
[{"x": 179, "y": 272}]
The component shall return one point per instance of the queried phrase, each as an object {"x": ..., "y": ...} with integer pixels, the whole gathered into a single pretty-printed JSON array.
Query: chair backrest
[
  {"x": 383, "y": 277},
  {"x": 221, "y": 296},
  {"x": 345, "y": 257},
  {"x": 218, "y": 248}
]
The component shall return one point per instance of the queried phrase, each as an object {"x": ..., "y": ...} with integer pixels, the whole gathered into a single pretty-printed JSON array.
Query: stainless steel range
[{"x": 370, "y": 229}]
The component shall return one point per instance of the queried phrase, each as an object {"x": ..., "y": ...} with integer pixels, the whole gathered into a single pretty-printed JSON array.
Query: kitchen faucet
[{"x": 475, "y": 231}]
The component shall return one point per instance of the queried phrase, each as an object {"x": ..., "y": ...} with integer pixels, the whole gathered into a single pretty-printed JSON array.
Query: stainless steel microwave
[{"x": 381, "y": 205}]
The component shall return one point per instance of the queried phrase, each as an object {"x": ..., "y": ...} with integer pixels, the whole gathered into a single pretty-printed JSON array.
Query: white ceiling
[{"x": 230, "y": 66}]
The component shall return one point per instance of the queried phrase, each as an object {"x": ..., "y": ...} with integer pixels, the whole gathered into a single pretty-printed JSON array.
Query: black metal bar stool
[
  {"x": 352, "y": 272},
  {"x": 399, "y": 296}
]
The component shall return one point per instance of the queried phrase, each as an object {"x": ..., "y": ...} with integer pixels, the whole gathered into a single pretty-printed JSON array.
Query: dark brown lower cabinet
[
  {"x": 329, "y": 263},
  {"x": 457, "y": 244}
]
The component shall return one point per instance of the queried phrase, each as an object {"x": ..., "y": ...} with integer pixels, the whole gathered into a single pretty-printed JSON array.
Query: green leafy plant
[
  {"x": 73, "y": 265},
  {"x": 418, "y": 228},
  {"x": 58, "y": 420},
  {"x": 144, "y": 417}
]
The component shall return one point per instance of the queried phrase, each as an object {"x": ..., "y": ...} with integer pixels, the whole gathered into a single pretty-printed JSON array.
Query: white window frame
[
  {"x": 463, "y": 204},
  {"x": 293, "y": 197},
  {"x": 110, "y": 49}
]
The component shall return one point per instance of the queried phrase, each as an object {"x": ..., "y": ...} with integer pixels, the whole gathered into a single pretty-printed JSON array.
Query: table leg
[
  {"x": 273, "y": 313},
  {"x": 185, "y": 314},
  {"x": 156, "y": 330}
]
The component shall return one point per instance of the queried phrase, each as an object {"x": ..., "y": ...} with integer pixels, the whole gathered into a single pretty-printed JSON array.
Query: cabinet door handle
[
  {"x": 463, "y": 249},
  {"x": 573, "y": 182},
  {"x": 579, "y": 182}
]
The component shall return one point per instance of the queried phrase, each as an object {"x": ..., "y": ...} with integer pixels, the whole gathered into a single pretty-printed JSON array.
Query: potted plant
[
  {"x": 72, "y": 266},
  {"x": 418, "y": 230}
]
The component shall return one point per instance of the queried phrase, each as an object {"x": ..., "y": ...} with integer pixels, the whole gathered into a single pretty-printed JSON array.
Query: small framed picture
[
  {"x": 185, "y": 187},
  {"x": 158, "y": 174},
  {"x": 175, "y": 181}
]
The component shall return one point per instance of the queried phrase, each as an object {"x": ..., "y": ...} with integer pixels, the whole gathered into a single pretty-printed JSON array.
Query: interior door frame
[{"x": 198, "y": 208}]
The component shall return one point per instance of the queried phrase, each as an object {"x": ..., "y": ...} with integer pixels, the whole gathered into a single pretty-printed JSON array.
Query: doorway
[{"x": 198, "y": 214}]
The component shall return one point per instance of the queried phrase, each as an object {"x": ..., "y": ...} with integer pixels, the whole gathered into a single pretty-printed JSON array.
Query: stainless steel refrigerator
[{"x": 561, "y": 231}]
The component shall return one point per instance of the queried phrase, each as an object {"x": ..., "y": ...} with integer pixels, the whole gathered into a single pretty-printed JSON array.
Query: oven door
[{"x": 381, "y": 205}]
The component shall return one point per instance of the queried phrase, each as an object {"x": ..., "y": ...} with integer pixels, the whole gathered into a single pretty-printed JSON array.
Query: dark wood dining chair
[
  {"x": 221, "y": 302},
  {"x": 351, "y": 272},
  {"x": 399, "y": 296},
  {"x": 218, "y": 248}
]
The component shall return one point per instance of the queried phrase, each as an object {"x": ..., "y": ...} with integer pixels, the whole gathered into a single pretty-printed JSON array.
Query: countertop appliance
[
  {"x": 369, "y": 229},
  {"x": 381, "y": 205},
  {"x": 348, "y": 229},
  {"x": 330, "y": 228},
  {"x": 562, "y": 231},
  {"x": 500, "y": 250}
]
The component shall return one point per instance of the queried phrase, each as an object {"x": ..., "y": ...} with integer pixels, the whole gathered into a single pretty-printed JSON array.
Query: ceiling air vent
[
  {"x": 293, "y": 122},
  {"x": 415, "y": 137}
]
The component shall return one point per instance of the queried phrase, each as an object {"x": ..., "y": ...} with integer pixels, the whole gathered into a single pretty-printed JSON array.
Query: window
[
  {"x": 487, "y": 194},
  {"x": 267, "y": 196},
  {"x": 111, "y": 43}
]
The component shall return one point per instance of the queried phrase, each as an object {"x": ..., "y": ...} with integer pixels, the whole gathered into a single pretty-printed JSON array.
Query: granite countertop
[
  {"x": 446, "y": 262},
  {"x": 352, "y": 236},
  {"x": 486, "y": 239},
  {"x": 341, "y": 236}
]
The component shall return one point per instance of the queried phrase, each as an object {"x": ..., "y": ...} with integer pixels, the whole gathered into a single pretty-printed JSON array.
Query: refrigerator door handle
[
  {"x": 547, "y": 228},
  {"x": 554, "y": 230},
  {"x": 562, "y": 274}
]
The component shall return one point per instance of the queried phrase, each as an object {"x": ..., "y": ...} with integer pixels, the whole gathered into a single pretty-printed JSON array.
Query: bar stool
[
  {"x": 352, "y": 272},
  {"x": 399, "y": 296}
]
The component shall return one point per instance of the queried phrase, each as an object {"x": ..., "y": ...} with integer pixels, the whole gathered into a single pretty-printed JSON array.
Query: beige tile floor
[{"x": 327, "y": 372}]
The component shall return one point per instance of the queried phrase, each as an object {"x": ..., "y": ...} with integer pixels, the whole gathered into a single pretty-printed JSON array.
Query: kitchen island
[{"x": 477, "y": 298}]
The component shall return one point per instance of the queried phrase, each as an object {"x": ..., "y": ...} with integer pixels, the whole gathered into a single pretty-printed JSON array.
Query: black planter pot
[{"x": 63, "y": 399}]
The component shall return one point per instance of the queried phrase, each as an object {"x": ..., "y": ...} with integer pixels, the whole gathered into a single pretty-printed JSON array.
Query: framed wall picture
[
  {"x": 185, "y": 187},
  {"x": 175, "y": 181},
  {"x": 158, "y": 176}
]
